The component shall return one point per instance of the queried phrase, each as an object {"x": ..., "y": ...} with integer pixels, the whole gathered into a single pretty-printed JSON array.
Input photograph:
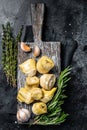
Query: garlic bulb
[
  {"x": 23, "y": 115},
  {"x": 36, "y": 51}
]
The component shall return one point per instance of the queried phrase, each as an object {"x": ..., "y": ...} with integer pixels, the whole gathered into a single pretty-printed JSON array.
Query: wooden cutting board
[{"x": 51, "y": 49}]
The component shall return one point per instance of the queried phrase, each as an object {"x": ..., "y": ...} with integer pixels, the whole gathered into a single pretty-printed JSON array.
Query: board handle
[{"x": 37, "y": 12}]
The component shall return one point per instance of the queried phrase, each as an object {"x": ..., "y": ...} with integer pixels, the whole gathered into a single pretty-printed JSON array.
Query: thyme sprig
[
  {"x": 9, "y": 53},
  {"x": 55, "y": 113}
]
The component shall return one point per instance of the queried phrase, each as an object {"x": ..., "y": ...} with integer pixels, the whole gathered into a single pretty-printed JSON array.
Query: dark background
[{"x": 65, "y": 21}]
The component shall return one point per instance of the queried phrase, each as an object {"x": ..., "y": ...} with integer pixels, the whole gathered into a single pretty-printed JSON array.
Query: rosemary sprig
[
  {"x": 9, "y": 53},
  {"x": 55, "y": 113}
]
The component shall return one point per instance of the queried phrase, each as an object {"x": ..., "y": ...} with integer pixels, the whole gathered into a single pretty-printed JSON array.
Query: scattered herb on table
[
  {"x": 55, "y": 113},
  {"x": 9, "y": 53}
]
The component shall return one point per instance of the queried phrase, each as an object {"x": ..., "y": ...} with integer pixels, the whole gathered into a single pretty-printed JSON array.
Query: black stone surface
[{"x": 65, "y": 21}]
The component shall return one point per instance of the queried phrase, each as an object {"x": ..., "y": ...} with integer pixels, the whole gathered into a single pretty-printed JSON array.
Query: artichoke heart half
[
  {"x": 28, "y": 67},
  {"x": 39, "y": 108},
  {"x": 24, "y": 96},
  {"x": 44, "y": 64},
  {"x": 48, "y": 95},
  {"x": 33, "y": 81},
  {"x": 36, "y": 93},
  {"x": 47, "y": 81}
]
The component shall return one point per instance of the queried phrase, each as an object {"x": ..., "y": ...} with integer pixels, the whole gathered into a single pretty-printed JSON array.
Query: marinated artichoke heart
[
  {"x": 28, "y": 67},
  {"x": 39, "y": 108},
  {"x": 48, "y": 95},
  {"x": 28, "y": 88},
  {"x": 36, "y": 93},
  {"x": 44, "y": 64},
  {"x": 25, "y": 96},
  {"x": 29, "y": 95},
  {"x": 33, "y": 81},
  {"x": 47, "y": 81}
]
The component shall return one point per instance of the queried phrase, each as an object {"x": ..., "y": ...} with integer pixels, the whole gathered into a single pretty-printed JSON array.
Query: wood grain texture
[
  {"x": 51, "y": 49},
  {"x": 37, "y": 13}
]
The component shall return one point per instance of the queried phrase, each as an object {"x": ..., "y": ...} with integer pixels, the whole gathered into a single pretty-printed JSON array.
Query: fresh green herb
[
  {"x": 55, "y": 113},
  {"x": 9, "y": 53}
]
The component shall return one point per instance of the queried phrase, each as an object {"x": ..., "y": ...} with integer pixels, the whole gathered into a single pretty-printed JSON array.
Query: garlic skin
[
  {"x": 23, "y": 115},
  {"x": 36, "y": 51}
]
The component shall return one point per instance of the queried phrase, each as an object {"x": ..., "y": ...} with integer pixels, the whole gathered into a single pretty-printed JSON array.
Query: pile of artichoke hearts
[{"x": 37, "y": 90}]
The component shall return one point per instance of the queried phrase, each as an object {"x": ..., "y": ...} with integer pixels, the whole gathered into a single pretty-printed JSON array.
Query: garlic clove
[
  {"x": 36, "y": 51},
  {"x": 25, "y": 47},
  {"x": 23, "y": 115}
]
